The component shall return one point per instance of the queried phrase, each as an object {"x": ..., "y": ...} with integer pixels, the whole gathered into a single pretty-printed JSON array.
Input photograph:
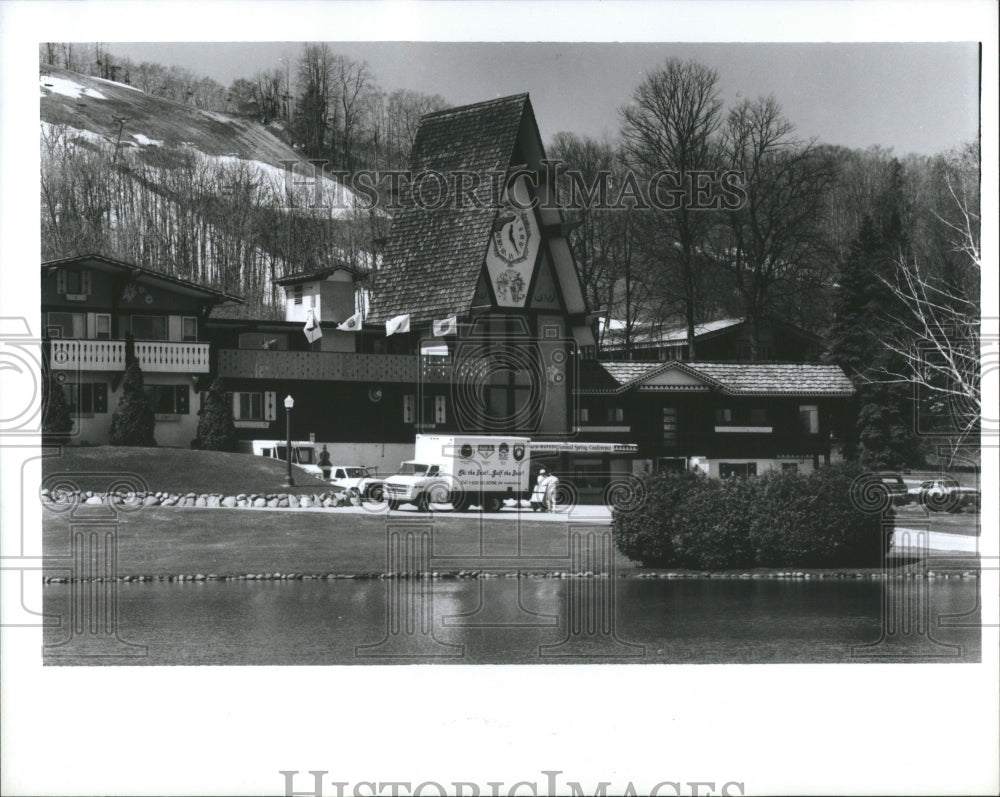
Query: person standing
[
  {"x": 550, "y": 483},
  {"x": 325, "y": 464},
  {"x": 538, "y": 494}
]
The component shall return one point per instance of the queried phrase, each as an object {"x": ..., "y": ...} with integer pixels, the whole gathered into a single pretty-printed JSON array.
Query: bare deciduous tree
[
  {"x": 669, "y": 125},
  {"x": 774, "y": 241},
  {"x": 936, "y": 337}
]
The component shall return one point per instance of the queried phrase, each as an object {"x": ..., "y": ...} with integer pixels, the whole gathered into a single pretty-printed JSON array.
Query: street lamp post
[{"x": 289, "y": 403}]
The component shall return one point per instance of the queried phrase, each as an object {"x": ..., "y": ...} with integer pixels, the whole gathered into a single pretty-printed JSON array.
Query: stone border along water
[
  {"x": 135, "y": 500},
  {"x": 474, "y": 574}
]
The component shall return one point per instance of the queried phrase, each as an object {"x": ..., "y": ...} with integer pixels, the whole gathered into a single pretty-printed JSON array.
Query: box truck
[{"x": 462, "y": 470}]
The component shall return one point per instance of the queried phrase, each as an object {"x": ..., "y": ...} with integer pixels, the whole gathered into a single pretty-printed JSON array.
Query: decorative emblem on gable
[{"x": 513, "y": 250}]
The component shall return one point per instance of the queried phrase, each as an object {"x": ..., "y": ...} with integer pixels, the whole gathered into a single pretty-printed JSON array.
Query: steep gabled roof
[
  {"x": 110, "y": 264},
  {"x": 434, "y": 257},
  {"x": 731, "y": 379}
]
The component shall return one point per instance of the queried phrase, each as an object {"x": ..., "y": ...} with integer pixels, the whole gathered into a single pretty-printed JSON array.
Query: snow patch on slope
[
  {"x": 116, "y": 83},
  {"x": 68, "y": 88}
]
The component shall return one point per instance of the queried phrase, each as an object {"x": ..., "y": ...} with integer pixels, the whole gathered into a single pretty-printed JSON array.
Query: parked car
[
  {"x": 945, "y": 495},
  {"x": 355, "y": 477},
  {"x": 895, "y": 486}
]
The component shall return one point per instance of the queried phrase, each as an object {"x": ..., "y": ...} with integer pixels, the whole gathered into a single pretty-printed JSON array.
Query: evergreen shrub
[
  {"x": 216, "y": 427},
  {"x": 778, "y": 519}
]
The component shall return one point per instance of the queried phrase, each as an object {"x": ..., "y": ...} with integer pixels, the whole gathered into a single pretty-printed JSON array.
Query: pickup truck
[{"x": 354, "y": 477}]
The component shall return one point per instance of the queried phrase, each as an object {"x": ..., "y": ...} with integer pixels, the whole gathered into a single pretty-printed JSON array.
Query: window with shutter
[
  {"x": 439, "y": 409},
  {"x": 409, "y": 402},
  {"x": 270, "y": 405}
]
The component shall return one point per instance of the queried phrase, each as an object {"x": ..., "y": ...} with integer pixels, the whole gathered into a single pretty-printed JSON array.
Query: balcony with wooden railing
[
  {"x": 109, "y": 355},
  {"x": 332, "y": 366}
]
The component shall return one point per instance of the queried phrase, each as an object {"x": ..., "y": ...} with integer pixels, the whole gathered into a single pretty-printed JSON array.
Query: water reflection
[{"x": 523, "y": 621}]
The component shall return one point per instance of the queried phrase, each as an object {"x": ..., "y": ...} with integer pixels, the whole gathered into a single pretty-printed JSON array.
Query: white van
[{"x": 303, "y": 454}]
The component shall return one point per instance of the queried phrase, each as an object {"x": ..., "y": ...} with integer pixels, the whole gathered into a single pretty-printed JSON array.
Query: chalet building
[
  {"x": 89, "y": 303},
  {"x": 475, "y": 322},
  {"x": 724, "y": 418},
  {"x": 728, "y": 339},
  {"x": 488, "y": 302}
]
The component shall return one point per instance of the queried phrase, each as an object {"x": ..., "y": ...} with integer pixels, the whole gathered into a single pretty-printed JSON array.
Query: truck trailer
[{"x": 462, "y": 470}]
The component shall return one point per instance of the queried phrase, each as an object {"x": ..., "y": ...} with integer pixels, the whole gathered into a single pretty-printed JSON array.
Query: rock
[
  {"x": 283, "y": 502},
  {"x": 229, "y": 502},
  {"x": 150, "y": 500},
  {"x": 214, "y": 501},
  {"x": 272, "y": 502},
  {"x": 305, "y": 502},
  {"x": 259, "y": 502},
  {"x": 201, "y": 501},
  {"x": 241, "y": 497},
  {"x": 329, "y": 502},
  {"x": 94, "y": 500}
]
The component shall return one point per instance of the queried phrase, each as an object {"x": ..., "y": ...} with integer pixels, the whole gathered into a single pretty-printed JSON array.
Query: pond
[{"x": 523, "y": 620}]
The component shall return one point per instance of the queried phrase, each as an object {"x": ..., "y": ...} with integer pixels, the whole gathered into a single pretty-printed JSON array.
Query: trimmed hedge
[{"x": 779, "y": 519}]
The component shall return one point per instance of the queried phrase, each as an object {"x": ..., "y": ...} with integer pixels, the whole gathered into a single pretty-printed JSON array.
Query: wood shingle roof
[
  {"x": 731, "y": 379},
  {"x": 434, "y": 256}
]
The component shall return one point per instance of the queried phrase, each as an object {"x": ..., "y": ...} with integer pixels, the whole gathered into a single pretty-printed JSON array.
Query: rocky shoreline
[
  {"x": 131, "y": 500},
  {"x": 556, "y": 574}
]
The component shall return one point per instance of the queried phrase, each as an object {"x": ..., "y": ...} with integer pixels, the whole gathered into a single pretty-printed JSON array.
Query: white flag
[
  {"x": 400, "y": 323},
  {"x": 311, "y": 329},
  {"x": 352, "y": 324},
  {"x": 446, "y": 326}
]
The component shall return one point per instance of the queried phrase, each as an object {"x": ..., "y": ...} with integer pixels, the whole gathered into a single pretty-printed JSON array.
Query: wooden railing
[
  {"x": 109, "y": 355},
  {"x": 332, "y": 366}
]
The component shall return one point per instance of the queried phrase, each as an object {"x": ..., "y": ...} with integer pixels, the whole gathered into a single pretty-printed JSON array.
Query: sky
[{"x": 910, "y": 97}]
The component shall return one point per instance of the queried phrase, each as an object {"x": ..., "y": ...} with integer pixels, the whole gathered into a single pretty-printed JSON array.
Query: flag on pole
[
  {"x": 400, "y": 323},
  {"x": 446, "y": 326},
  {"x": 312, "y": 329},
  {"x": 352, "y": 324}
]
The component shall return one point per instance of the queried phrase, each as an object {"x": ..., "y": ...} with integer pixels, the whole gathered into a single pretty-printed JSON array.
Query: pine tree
[
  {"x": 57, "y": 419},
  {"x": 878, "y": 426},
  {"x": 216, "y": 429},
  {"x": 133, "y": 422}
]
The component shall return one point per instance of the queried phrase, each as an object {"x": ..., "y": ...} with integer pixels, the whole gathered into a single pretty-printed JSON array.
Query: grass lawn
[
  {"x": 171, "y": 541},
  {"x": 915, "y": 517},
  {"x": 178, "y": 470}
]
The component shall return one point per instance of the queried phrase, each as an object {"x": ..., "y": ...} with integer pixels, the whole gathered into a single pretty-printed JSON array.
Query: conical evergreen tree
[
  {"x": 216, "y": 428},
  {"x": 878, "y": 425},
  {"x": 57, "y": 419},
  {"x": 133, "y": 422}
]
